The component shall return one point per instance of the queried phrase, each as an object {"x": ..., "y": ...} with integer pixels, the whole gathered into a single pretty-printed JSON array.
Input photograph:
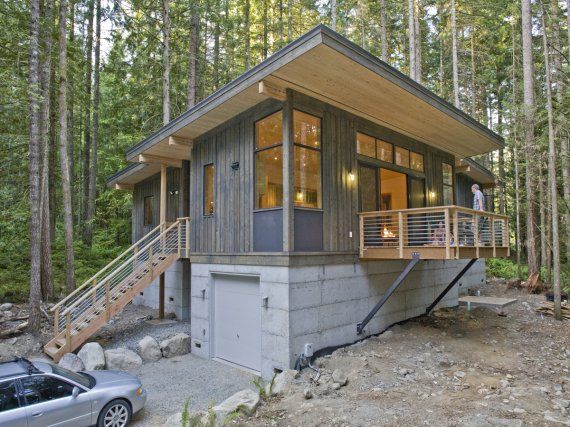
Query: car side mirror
[{"x": 75, "y": 392}]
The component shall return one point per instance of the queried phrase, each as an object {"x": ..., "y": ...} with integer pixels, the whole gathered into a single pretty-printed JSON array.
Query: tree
[
  {"x": 247, "y": 13},
  {"x": 87, "y": 125},
  {"x": 64, "y": 151},
  {"x": 333, "y": 14},
  {"x": 192, "y": 55},
  {"x": 165, "y": 61},
  {"x": 454, "y": 55},
  {"x": 34, "y": 163},
  {"x": 383, "y": 36},
  {"x": 552, "y": 175},
  {"x": 530, "y": 152}
]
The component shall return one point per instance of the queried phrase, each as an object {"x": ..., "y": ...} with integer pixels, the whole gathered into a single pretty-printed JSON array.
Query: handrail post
[
  {"x": 107, "y": 301},
  {"x": 56, "y": 322},
  {"x": 401, "y": 233},
  {"x": 507, "y": 238},
  {"x": 361, "y": 243},
  {"x": 136, "y": 256},
  {"x": 447, "y": 232},
  {"x": 456, "y": 232},
  {"x": 68, "y": 331},
  {"x": 150, "y": 259},
  {"x": 179, "y": 239},
  {"x": 187, "y": 237}
]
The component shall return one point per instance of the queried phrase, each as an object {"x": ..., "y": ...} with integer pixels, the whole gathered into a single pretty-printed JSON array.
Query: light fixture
[
  {"x": 351, "y": 176},
  {"x": 299, "y": 196},
  {"x": 432, "y": 194}
]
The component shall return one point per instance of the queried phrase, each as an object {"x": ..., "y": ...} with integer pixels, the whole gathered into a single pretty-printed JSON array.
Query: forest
[{"x": 83, "y": 80}]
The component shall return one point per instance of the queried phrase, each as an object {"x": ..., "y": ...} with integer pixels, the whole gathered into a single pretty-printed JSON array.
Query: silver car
[{"x": 38, "y": 394}]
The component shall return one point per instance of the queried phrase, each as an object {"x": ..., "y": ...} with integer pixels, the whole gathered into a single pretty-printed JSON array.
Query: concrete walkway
[{"x": 170, "y": 382}]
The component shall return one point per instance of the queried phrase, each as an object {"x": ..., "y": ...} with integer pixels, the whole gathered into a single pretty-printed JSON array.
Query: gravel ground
[{"x": 170, "y": 382}]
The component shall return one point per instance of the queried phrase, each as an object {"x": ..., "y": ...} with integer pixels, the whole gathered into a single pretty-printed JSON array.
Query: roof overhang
[
  {"x": 328, "y": 67},
  {"x": 476, "y": 172},
  {"x": 126, "y": 178}
]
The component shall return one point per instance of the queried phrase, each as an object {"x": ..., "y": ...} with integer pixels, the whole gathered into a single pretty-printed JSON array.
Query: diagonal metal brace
[
  {"x": 451, "y": 285},
  {"x": 415, "y": 259}
]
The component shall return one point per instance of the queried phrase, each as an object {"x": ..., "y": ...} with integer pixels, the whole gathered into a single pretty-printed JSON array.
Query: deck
[{"x": 442, "y": 232}]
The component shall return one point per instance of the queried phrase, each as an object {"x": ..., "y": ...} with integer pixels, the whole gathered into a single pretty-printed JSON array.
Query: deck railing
[{"x": 442, "y": 232}]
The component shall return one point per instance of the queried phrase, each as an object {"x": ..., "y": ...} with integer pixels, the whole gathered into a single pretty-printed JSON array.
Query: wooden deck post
[
  {"x": 361, "y": 232},
  {"x": 187, "y": 237},
  {"x": 107, "y": 302},
  {"x": 447, "y": 235},
  {"x": 94, "y": 291},
  {"x": 401, "y": 233},
  {"x": 476, "y": 234},
  {"x": 493, "y": 237},
  {"x": 56, "y": 322},
  {"x": 163, "y": 178}
]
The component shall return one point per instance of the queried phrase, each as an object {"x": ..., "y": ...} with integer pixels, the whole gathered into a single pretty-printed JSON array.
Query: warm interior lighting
[
  {"x": 387, "y": 233},
  {"x": 299, "y": 196}
]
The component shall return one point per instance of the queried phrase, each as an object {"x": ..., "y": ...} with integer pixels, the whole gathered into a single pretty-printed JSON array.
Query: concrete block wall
[{"x": 176, "y": 292}]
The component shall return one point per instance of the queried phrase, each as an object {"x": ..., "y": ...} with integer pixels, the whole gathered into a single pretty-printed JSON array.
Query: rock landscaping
[
  {"x": 72, "y": 362},
  {"x": 122, "y": 359},
  {"x": 93, "y": 356},
  {"x": 177, "y": 345}
]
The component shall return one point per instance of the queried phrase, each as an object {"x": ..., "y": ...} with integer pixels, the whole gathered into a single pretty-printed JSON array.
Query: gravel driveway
[{"x": 170, "y": 382}]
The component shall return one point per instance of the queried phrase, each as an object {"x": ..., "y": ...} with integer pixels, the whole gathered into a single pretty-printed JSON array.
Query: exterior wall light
[
  {"x": 432, "y": 195},
  {"x": 351, "y": 176}
]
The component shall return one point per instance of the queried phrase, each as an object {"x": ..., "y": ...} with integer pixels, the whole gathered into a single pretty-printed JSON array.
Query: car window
[
  {"x": 73, "y": 376},
  {"x": 42, "y": 388},
  {"x": 8, "y": 396}
]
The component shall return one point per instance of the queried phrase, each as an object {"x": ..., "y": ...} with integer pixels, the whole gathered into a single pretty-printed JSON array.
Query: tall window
[
  {"x": 269, "y": 162},
  {"x": 148, "y": 211},
  {"x": 208, "y": 184},
  {"x": 447, "y": 171},
  {"x": 307, "y": 163}
]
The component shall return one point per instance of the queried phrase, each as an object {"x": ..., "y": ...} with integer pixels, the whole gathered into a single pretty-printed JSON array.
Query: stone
[
  {"x": 245, "y": 401},
  {"x": 199, "y": 418},
  {"x": 307, "y": 393},
  {"x": 562, "y": 403},
  {"x": 459, "y": 374},
  {"x": 92, "y": 356},
  {"x": 519, "y": 411},
  {"x": 7, "y": 306},
  {"x": 122, "y": 359},
  {"x": 72, "y": 362},
  {"x": 336, "y": 386},
  {"x": 149, "y": 349},
  {"x": 386, "y": 335},
  {"x": 281, "y": 383},
  {"x": 339, "y": 377},
  {"x": 7, "y": 313},
  {"x": 552, "y": 417},
  {"x": 177, "y": 345}
]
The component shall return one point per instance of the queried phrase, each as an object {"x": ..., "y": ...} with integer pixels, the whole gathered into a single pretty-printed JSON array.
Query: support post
[
  {"x": 447, "y": 235},
  {"x": 187, "y": 237},
  {"x": 107, "y": 301},
  {"x": 476, "y": 234},
  {"x": 56, "y": 322},
  {"x": 415, "y": 259},
  {"x": 456, "y": 232},
  {"x": 451, "y": 285},
  {"x": 68, "y": 331},
  {"x": 161, "y": 297},
  {"x": 288, "y": 184},
  {"x": 361, "y": 232},
  {"x": 493, "y": 243},
  {"x": 162, "y": 221}
]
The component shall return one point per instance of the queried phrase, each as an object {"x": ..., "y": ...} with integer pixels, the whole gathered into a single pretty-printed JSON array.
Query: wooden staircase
[{"x": 93, "y": 304}]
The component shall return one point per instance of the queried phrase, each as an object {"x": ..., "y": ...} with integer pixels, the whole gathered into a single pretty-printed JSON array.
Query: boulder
[
  {"x": 122, "y": 359},
  {"x": 92, "y": 356},
  {"x": 149, "y": 350},
  {"x": 339, "y": 377},
  {"x": 281, "y": 383},
  {"x": 245, "y": 401},
  {"x": 307, "y": 393},
  {"x": 7, "y": 306},
  {"x": 200, "y": 418},
  {"x": 177, "y": 345},
  {"x": 72, "y": 362}
]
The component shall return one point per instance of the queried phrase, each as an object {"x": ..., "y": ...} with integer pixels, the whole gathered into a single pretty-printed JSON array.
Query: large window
[
  {"x": 307, "y": 163},
  {"x": 447, "y": 172},
  {"x": 208, "y": 189},
  {"x": 269, "y": 162},
  {"x": 148, "y": 211}
]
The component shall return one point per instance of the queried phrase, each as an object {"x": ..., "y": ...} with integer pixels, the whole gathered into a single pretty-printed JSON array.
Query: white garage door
[{"x": 237, "y": 320}]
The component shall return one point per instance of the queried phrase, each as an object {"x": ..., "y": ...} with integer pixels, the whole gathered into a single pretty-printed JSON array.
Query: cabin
[{"x": 317, "y": 199}]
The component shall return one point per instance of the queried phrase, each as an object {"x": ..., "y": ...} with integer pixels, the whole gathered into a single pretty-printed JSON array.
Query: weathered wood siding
[{"x": 151, "y": 187}]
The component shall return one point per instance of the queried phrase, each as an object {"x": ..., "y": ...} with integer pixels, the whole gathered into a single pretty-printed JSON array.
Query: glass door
[{"x": 418, "y": 230}]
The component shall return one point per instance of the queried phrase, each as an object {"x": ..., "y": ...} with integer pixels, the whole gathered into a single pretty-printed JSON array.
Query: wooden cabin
[{"x": 280, "y": 209}]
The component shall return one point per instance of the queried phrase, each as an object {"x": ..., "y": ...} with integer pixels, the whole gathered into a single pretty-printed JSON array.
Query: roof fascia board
[
  {"x": 130, "y": 169},
  {"x": 253, "y": 76},
  {"x": 366, "y": 59}
]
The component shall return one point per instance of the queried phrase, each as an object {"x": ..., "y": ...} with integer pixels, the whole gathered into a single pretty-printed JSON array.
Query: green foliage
[
  {"x": 258, "y": 383},
  {"x": 185, "y": 414},
  {"x": 507, "y": 269}
]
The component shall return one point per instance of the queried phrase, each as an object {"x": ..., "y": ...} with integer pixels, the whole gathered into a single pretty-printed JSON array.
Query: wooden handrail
[
  {"x": 432, "y": 209},
  {"x": 114, "y": 273},
  {"x": 96, "y": 275}
]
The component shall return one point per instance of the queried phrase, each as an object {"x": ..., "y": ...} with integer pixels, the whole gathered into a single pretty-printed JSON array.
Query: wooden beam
[
  {"x": 180, "y": 142},
  {"x": 272, "y": 91},
  {"x": 163, "y": 161},
  {"x": 126, "y": 187}
]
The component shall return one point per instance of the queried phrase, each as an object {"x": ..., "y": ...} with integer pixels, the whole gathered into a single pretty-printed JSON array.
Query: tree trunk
[
  {"x": 454, "y": 65},
  {"x": 90, "y": 218},
  {"x": 71, "y": 115},
  {"x": 63, "y": 151},
  {"x": 87, "y": 125},
  {"x": 412, "y": 39},
  {"x": 165, "y": 61},
  {"x": 34, "y": 168},
  {"x": 502, "y": 191},
  {"x": 216, "y": 71},
  {"x": 281, "y": 25},
  {"x": 47, "y": 275},
  {"x": 530, "y": 151},
  {"x": 383, "y": 37},
  {"x": 289, "y": 20},
  {"x": 552, "y": 178},
  {"x": 52, "y": 151},
  {"x": 265, "y": 31},
  {"x": 473, "y": 86},
  {"x": 333, "y": 14},
  {"x": 542, "y": 204},
  {"x": 418, "y": 40},
  {"x": 247, "y": 14},
  {"x": 515, "y": 157},
  {"x": 192, "y": 55}
]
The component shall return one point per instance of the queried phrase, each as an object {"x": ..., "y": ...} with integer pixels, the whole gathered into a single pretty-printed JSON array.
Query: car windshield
[{"x": 73, "y": 376}]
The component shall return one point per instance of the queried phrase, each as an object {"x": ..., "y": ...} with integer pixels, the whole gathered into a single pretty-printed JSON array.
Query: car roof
[{"x": 21, "y": 366}]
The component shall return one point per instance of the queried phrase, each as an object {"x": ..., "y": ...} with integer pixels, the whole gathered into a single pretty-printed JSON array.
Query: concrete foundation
[{"x": 321, "y": 304}]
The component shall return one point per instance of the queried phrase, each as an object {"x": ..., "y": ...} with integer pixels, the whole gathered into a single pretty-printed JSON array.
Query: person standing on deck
[{"x": 479, "y": 205}]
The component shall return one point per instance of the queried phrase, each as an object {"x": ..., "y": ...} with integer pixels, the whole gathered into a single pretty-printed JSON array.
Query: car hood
[{"x": 113, "y": 378}]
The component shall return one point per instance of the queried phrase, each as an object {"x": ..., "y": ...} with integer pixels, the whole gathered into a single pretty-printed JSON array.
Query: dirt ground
[{"x": 453, "y": 368}]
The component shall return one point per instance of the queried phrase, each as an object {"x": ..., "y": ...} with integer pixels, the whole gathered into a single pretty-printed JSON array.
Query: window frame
[
  {"x": 206, "y": 165},
  {"x": 258, "y": 150},
  {"x": 444, "y": 185},
  {"x": 412, "y": 153},
  {"x": 318, "y": 149}
]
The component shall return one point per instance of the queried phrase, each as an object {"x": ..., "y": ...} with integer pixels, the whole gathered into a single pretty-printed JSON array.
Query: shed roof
[{"x": 327, "y": 66}]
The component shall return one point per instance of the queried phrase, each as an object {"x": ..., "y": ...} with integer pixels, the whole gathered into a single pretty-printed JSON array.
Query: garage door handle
[{"x": 37, "y": 414}]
